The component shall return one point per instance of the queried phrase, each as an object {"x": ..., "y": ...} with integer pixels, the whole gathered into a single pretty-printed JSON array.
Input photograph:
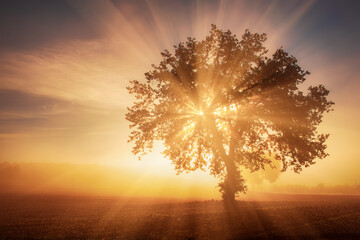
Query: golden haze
[{"x": 78, "y": 100}]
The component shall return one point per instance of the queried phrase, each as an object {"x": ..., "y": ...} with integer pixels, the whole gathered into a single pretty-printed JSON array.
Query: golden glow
[{"x": 88, "y": 78}]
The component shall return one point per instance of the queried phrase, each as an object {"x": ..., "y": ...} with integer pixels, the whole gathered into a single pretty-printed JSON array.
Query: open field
[{"x": 55, "y": 217}]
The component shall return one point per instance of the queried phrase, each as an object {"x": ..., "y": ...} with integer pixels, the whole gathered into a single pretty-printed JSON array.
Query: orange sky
[{"x": 63, "y": 97}]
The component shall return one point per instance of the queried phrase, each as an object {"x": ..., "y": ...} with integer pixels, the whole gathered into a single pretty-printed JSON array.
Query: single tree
[{"x": 221, "y": 104}]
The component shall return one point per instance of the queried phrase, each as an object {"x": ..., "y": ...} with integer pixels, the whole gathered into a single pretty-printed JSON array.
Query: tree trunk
[
  {"x": 230, "y": 181},
  {"x": 230, "y": 187},
  {"x": 231, "y": 184}
]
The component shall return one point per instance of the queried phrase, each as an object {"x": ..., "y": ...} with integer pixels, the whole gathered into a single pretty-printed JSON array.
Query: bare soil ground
[{"x": 59, "y": 217}]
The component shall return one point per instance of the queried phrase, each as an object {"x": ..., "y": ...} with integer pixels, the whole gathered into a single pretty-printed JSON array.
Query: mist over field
[{"x": 100, "y": 180}]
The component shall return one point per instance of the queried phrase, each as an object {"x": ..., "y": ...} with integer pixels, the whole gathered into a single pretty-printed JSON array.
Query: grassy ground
[{"x": 49, "y": 217}]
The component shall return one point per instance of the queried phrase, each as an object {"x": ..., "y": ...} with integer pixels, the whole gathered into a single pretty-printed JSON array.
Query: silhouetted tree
[{"x": 221, "y": 103}]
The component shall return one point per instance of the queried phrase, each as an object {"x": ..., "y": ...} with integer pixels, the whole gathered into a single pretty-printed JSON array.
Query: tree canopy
[{"x": 223, "y": 104}]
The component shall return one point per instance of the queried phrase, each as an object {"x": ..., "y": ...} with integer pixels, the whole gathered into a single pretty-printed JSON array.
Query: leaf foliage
[{"x": 222, "y": 103}]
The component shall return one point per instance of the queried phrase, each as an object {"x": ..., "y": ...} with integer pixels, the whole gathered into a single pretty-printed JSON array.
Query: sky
[{"x": 65, "y": 65}]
